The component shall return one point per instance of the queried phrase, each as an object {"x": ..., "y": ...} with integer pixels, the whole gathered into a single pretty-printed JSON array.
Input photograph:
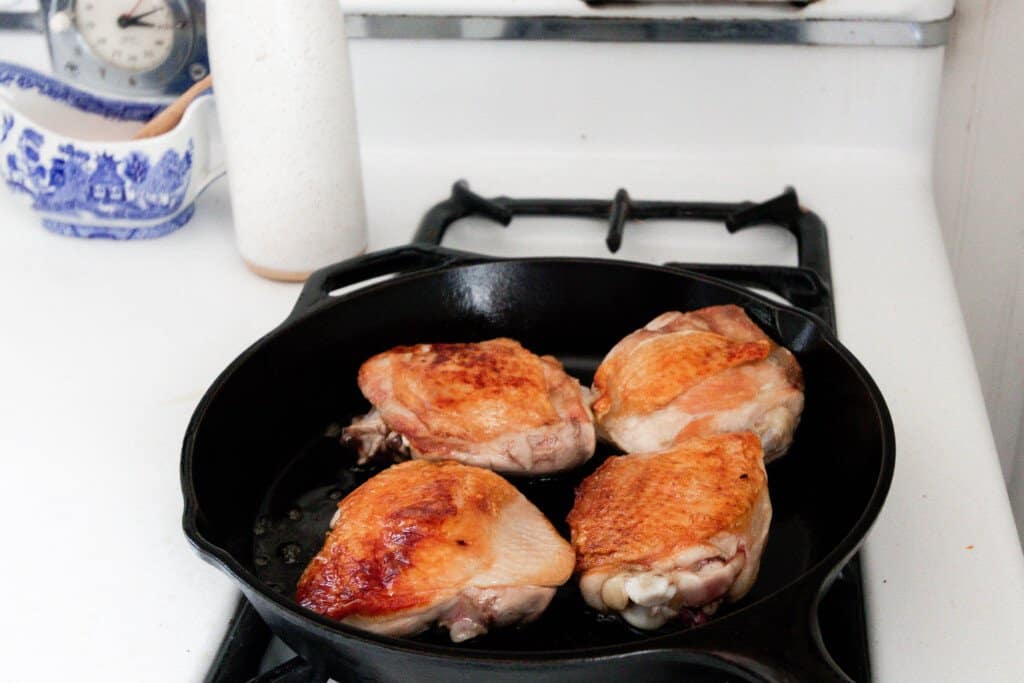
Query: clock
[{"x": 147, "y": 48}]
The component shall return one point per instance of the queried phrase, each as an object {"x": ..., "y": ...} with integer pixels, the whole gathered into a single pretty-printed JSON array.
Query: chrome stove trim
[
  {"x": 848, "y": 32},
  {"x": 866, "y": 33}
]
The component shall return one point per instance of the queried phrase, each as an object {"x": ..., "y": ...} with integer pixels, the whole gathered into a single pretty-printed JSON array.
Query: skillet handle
[
  {"x": 778, "y": 642},
  {"x": 405, "y": 259}
]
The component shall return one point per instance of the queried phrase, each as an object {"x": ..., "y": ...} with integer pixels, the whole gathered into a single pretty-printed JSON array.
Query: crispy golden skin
[
  {"x": 636, "y": 510},
  {"x": 492, "y": 404},
  {"x": 703, "y": 372},
  {"x": 665, "y": 367},
  {"x": 466, "y": 391},
  {"x": 671, "y": 535},
  {"x": 412, "y": 542}
]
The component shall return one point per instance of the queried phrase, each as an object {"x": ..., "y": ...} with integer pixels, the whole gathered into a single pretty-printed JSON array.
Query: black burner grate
[{"x": 807, "y": 286}]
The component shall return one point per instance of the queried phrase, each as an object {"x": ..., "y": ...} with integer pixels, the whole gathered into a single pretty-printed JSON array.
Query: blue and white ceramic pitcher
[{"x": 70, "y": 153}]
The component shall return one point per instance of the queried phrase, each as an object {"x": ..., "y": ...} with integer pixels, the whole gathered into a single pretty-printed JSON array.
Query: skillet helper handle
[
  {"x": 779, "y": 642},
  {"x": 406, "y": 259},
  {"x": 789, "y": 664}
]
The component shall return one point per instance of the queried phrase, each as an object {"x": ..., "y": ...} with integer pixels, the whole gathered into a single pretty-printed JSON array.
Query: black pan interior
[{"x": 267, "y": 467}]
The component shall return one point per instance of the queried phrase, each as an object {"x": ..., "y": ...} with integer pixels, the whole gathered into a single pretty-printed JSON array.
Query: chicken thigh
[
  {"x": 704, "y": 372},
  {"x": 670, "y": 535},
  {"x": 426, "y": 542},
  {"x": 492, "y": 404}
]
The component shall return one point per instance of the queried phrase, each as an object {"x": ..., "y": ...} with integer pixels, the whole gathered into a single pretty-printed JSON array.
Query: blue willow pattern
[{"x": 84, "y": 186}]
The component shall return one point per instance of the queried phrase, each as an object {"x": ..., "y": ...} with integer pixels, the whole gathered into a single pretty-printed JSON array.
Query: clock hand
[
  {"x": 126, "y": 20},
  {"x": 134, "y": 7},
  {"x": 146, "y": 24},
  {"x": 146, "y": 14}
]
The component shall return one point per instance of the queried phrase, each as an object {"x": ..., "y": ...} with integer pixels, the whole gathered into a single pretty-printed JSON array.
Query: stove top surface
[
  {"x": 892, "y": 289},
  {"x": 564, "y": 225}
]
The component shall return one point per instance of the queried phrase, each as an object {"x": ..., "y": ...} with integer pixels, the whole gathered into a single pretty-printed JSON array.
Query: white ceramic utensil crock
[{"x": 284, "y": 93}]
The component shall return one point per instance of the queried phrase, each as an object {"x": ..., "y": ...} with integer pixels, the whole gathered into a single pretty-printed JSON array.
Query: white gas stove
[{"x": 108, "y": 346}]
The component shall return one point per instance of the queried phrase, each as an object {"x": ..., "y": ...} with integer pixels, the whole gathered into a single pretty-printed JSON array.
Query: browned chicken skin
[
  {"x": 426, "y": 542},
  {"x": 704, "y": 372},
  {"x": 492, "y": 404},
  {"x": 670, "y": 535}
]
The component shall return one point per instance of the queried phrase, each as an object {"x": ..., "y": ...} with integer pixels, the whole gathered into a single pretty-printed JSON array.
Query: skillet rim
[{"x": 812, "y": 582}]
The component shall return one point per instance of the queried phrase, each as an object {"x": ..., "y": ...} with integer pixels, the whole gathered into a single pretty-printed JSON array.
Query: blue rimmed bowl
[{"x": 70, "y": 154}]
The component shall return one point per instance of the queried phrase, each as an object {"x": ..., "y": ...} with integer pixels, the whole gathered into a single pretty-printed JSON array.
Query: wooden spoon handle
[{"x": 171, "y": 115}]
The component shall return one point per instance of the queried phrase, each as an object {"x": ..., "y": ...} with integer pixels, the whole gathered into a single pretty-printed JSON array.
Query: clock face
[
  {"x": 132, "y": 35},
  {"x": 137, "y": 47}
]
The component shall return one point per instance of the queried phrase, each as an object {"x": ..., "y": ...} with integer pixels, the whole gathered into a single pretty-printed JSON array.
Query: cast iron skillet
[{"x": 262, "y": 469}]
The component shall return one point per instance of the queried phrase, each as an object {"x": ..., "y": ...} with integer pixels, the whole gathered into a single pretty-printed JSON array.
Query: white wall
[{"x": 979, "y": 183}]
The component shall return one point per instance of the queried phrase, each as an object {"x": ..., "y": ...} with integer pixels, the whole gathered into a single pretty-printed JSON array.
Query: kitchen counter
[{"x": 107, "y": 348}]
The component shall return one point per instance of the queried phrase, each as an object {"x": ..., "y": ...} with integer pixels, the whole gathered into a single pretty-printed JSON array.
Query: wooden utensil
[{"x": 169, "y": 117}]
